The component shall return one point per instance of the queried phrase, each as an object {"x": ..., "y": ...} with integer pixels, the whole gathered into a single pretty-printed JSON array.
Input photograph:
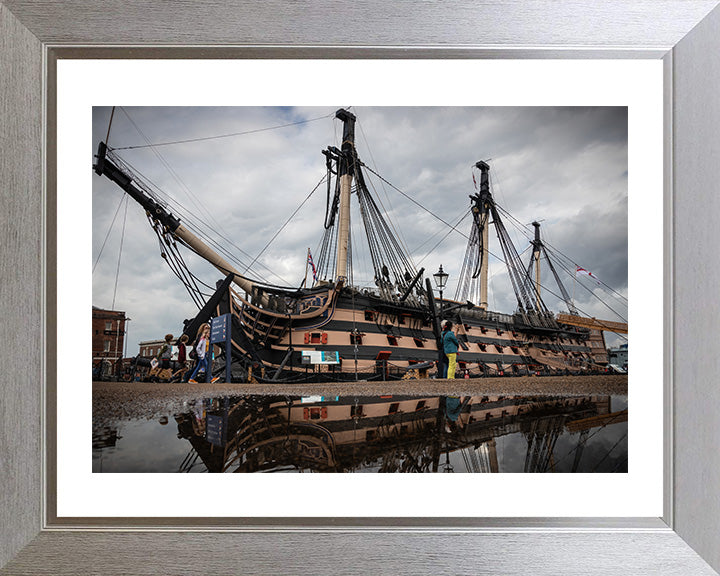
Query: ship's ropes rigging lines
[
  {"x": 524, "y": 290},
  {"x": 616, "y": 417},
  {"x": 463, "y": 215},
  {"x": 123, "y": 199},
  {"x": 393, "y": 269},
  {"x": 486, "y": 212},
  {"x": 189, "y": 219},
  {"x": 222, "y": 242},
  {"x": 107, "y": 235},
  {"x": 220, "y": 136},
  {"x": 468, "y": 286},
  {"x": 569, "y": 266},
  {"x": 169, "y": 243},
  {"x": 539, "y": 250},
  {"x": 474, "y": 263},
  {"x": 285, "y": 224}
]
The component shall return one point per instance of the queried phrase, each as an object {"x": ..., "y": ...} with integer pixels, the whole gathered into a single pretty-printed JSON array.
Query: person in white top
[{"x": 202, "y": 348}]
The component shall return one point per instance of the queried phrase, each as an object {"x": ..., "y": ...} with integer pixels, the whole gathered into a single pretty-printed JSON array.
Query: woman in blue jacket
[{"x": 450, "y": 347}]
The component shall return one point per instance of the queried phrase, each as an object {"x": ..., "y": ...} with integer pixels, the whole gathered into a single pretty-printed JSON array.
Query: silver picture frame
[{"x": 684, "y": 34}]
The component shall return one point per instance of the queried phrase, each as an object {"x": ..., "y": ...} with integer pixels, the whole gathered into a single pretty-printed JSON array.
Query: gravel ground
[{"x": 145, "y": 399}]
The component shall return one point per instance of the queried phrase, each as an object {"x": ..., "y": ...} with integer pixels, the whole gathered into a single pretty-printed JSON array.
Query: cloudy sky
[{"x": 565, "y": 167}]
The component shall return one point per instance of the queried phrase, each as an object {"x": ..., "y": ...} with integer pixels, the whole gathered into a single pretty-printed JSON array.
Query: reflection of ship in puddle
[
  {"x": 384, "y": 434},
  {"x": 105, "y": 437}
]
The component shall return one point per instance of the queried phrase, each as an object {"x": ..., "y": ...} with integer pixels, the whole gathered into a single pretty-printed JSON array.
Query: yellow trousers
[{"x": 452, "y": 363}]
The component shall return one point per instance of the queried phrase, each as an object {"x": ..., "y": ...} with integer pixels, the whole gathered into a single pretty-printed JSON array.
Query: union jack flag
[{"x": 312, "y": 266}]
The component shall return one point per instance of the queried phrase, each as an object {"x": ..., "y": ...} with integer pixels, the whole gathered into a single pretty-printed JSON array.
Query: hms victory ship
[{"x": 329, "y": 329}]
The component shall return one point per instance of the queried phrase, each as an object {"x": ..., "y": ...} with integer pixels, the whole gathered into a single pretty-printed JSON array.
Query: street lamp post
[
  {"x": 440, "y": 281},
  {"x": 127, "y": 331}
]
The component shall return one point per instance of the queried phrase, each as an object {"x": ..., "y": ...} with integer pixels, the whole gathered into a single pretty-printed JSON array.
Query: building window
[
  {"x": 315, "y": 337},
  {"x": 369, "y": 315},
  {"x": 356, "y": 339},
  {"x": 482, "y": 347},
  {"x": 108, "y": 325},
  {"x": 394, "y": 408},
  {"x": 106, "y": 346},
  {"x": 420, "y": 405},
  {"x": 499, "y": 348},
  {"x": 392, "y": 340},
  {"x": 419, "y": 343}
]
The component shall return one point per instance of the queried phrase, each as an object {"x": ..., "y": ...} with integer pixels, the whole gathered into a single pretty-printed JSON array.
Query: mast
[
  {"x": 346, "y": 170},
  {"x": 484, "y": 223},
  {"x": 536, "y": 258}
]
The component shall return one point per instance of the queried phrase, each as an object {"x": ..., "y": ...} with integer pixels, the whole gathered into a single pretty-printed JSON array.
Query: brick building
[
  {"x": 108, "y": 336},
  {"x": 151, "y": 348}
]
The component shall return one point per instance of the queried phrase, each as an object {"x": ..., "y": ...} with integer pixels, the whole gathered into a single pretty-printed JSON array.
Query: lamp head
[{"x": 440, "y": 278}]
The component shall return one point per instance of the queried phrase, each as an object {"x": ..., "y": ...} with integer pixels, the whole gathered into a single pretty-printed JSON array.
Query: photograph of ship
[{"x": 337, "y": 241}]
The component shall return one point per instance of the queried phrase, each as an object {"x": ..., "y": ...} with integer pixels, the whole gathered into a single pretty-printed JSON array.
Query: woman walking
[{"x": 202, "y": 348}]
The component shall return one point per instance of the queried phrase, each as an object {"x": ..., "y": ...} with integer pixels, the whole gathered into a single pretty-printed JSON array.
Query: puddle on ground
[{"x": 369, "y": 434}]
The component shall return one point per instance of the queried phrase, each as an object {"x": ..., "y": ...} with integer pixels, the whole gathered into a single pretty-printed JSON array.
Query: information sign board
[
  {"x": 320, "y": 357},
  {"x": 216, "y": 429},
  {"x": 219, "y": 329},
  {"x": 220, "y": 332}
]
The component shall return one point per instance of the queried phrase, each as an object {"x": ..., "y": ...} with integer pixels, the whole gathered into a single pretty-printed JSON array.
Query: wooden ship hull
[{"x": 377, "y": 341}]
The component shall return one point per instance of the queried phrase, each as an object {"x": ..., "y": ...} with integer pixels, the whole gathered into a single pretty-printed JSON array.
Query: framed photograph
[
  {"x": 351, "y": 531},
  {"x": 399, "y": 131}
]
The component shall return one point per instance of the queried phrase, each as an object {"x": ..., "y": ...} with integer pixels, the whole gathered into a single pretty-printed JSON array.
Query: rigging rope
[
  {"x": 107, "y": 136},
  {"x": 199, "y": 206},
  {"x": 465, "y": 215},
  {"x": 109, "y": 230},
  {"x": 285, "y": 224},
  {"x": 231, "y": 135},
  {"x": 398, "y": 233},
  {"x": 122, "y": 239},
  {"x": 530, "y": 235},
  {"x": 413, "y": 200},
  {"x": 191, "y": 221}
]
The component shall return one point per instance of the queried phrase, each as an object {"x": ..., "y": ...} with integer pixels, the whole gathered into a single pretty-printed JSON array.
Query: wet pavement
[{"x": 148, "y": 399}]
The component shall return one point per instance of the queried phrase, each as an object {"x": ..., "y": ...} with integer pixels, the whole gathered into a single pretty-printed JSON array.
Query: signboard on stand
[{"x": 220, "y": 333}]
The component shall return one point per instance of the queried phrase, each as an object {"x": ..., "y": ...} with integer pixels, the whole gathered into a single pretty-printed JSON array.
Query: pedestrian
[
  {"x": 450, "y": 347},
  {"x": 453, "y": 407},
  {"x": 166, "y": 352},
  {"x": 182, "y": 358},
  {"x": 202, "y": 348}
]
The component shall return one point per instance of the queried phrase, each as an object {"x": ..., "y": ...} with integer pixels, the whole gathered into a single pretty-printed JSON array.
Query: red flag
[{"x": 582, "y": 271}]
